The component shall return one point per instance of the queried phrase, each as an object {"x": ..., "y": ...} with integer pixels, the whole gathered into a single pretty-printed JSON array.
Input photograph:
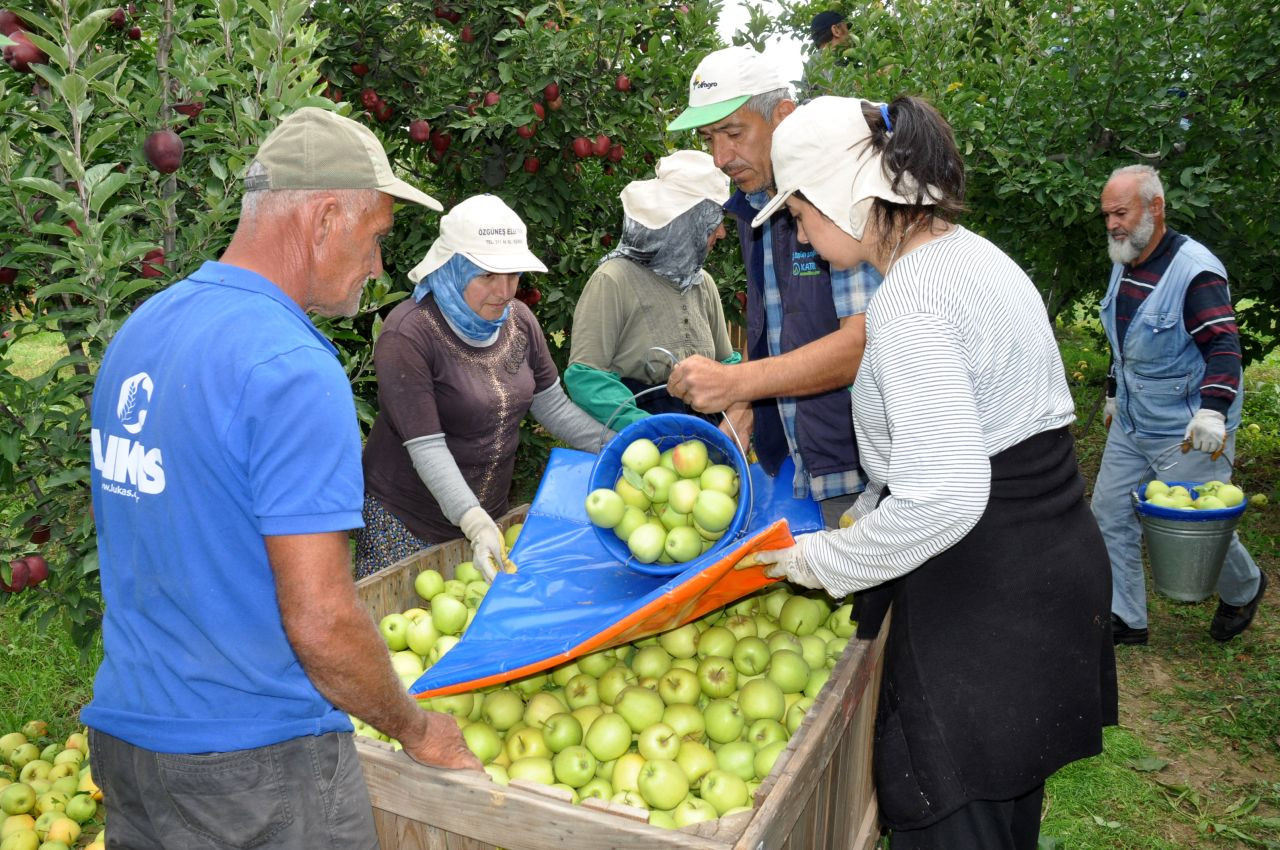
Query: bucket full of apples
[
  {"x": 667, "y": 490},
  {"x": 1187, "y": 527}
]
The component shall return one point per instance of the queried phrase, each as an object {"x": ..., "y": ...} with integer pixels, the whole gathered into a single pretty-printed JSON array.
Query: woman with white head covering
[
  {"x": 998, "y": 664},
  {"x": 459, "y": 365},
  {"x": 649, "y": 302}
]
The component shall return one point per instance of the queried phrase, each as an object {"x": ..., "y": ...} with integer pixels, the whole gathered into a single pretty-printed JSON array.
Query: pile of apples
[
  {"x": 1209, "y": 496},
  {"x": 47, "y": 793},
  {"x": 670, "y": 506},
  {"x": 685, "y": 724}
]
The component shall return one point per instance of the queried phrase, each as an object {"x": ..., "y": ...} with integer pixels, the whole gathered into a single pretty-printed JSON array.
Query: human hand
[
  {"x": 1207, "y": 431},
  {"x": 486, "y": 541},
  {"x": 789, "y": 564},
  {"x": 1108, "y": 412},
  {"x": 438, "y": 742},
  {"x": 741, "y": 416},
  {"x": 702, "y": 383}
]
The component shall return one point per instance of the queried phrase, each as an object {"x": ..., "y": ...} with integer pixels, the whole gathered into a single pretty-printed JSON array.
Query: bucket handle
[{"x": 1184, "y": 447}]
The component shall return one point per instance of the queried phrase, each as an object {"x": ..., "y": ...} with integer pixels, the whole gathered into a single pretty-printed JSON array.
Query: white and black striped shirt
[{"x": 961, "y": 364}]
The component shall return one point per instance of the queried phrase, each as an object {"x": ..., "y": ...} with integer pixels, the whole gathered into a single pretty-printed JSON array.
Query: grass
[{"x": 1194, "y": 764}]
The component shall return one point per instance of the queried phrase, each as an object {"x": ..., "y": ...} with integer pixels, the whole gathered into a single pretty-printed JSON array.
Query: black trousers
[{"x": 980, "y": 825}]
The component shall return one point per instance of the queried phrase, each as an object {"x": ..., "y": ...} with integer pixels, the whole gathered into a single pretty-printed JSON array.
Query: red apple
[
  {"x": 550, "y": 92},
  {"x": 8, "y": 275},
  {"x": 369, "y": 98},
  {"x": 333, "y": 93},
  {"x": 551, "y": 25},
  {"x": 582, "y": 147},
  {"x": 75, "y": 228},
  {"x": 555, "y": 105},
  {"x": 492, "y": 98},
  {"x": 359, "y": 68},
  {"x": 435, "y": 156},
  {"x": 117, "y": 18},
  {"x": 37, "y": 569},
  {"x": 526, "y": 131},
  {"x": 191, "y": 110},
  {"x": 163, "y": 150},
  {"x": 441, "y": 141},
  {"x": 24, "y": 54},
  {"x": 467, "y": 35},
  {"x": 532, "y": 295},
  {"x": 606, "y": 239},
  {"x": 39, "y": 532},
  {"x": 135, "y": 33},
  {"x": 601, "y": 145},
  {"x": 18, "y": 573},
  {"x": 616, "y": 152},
  {"x": 442, "y": 13},
  {"x": 623, "y": 83},
  {"x": 453, "y": 17},
  {"x": 152, "y": 262},
  {"x": 419, "y": 131},
  {"x": 383, "y": 111},
  {"x": 742, "y": 299},
  {"x": 9, "y": 22},
  {"x": 540, "y": 111},
  {"x": 531, "y": 164}
]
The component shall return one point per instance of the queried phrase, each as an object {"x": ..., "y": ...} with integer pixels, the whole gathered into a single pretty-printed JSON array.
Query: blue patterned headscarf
[{"x": 448, "y": 283}]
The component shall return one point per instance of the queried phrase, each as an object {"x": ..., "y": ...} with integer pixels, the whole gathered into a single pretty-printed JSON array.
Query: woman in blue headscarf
[{"x": 458, "y": 366}]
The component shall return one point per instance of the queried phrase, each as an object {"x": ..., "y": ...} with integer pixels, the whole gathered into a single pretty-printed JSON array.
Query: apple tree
[{"x": 1046, "y": 99}]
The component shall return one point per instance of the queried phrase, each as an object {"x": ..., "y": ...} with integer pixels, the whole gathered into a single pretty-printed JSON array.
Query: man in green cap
[
  {"x": 805, "y": 325},
  {"x": 226, "y": 477}
]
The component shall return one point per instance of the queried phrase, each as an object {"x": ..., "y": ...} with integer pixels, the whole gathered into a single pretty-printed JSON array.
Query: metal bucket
[{"x": 1186, "y": 548}]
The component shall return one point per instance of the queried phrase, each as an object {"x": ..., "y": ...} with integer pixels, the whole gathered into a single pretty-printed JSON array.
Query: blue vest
[
  {"x": 1158, "y": 375},
  {"x": 824, "y": 422}
]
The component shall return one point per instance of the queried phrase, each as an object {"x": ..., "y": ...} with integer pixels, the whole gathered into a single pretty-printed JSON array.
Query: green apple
[
  {"x": 766, "y": 756},
  {"x": 631, "y": 494},
  {"x": 541, "y": 706},
  {"x": 629, "y": 798},
  {"x": 407, "y": 663},
  {"x": 503, "y": 709},
  {"x": 613, "y": 681},
  {"x": 562, "y": 731},
  {"x": 641, "y": 455},
  {"x": 632, "y": 518},
  {"x": 497, "y": 773},
  {"x": 657, "y": 484},
  {"x": 841, "y": 621},
  {"x": 582, "y": 690},
  {"x": 788, "y": 670},
  {"x": 1154, "y": 487},
  {"x": 605, "y": 507},
  {"x": 724, "y": 790},
  {"x": 737, "y": 757},
  {"x": 741, "y": 626},
  {"x": 713, "y": 510},
  {"x": 817, "y": 681},
  {"x": 448, "y": 614},
  {"x": 561, "y": 675},
  {"x": 443, "y": 644},
  {"x": 526, "y": 742},
  {"x": 626, "y": 772},
  {"x": 718, "y": 640},
  {"x": 609, "y": 737},
  {"x": 679, "y": 687},
  {"x": 1230, "y": 494},
  {"x": 691, "y": 811},
  {"x": 662, "y": 820},
  {"x": 1163, "y": 500},
  {"x": 532, "y": 769},
  {"x": 467, "y": 572},
  {"x": 82, "y": 808},
  {"x": 422, "y": 635},
  {"x": 647, "y": 542},
  {"x": 720, "y": 477},
  {"x": 696, "y": 760},
  {"x": 594, "y": 664},
  {"x": 814, "y": 651},
  {"x": 428, "y": 583},
  {"x": 596, "y": 788},
  {"x": 1258, "y": 499},
  {"x": 639, "y": 707},
  {"x": 651, "y": 661},
  {"x": 483, "y": 740},
  {"x": 662, "y": 783},
  {"x": 682, "y": 495},
  {"x": 11, "y": 742},
  {"x": 784, "y": 640},
  {"x": 801, "y": 616},
  {"x": 682, "y": 544},
  {"x": 681, "y": 642},
  {"x": 659, "y": 741},
  {"x": 761, "y": 698},
  {"x": 687, "y": 720},
  {"x": 17, "y": 799},
  {"x": 395, "y": 631},
  {"x": 671, "y": 518},
  {"x": 512, "y": 533},
  {"x": 724, "y": 720},
  {"x": 764, "y": 732},
  {"x": 690, "y": 458},
  {"x": 574, "y": 765},
  {"x": 1209, "y": 503},
  {"x": 717, "y": 677},
  {"x": 457, "y": 706}
]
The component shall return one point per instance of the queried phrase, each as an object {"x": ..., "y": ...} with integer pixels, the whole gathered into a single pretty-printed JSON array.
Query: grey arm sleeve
[
  {"x": 438, "y": 470},
  {"x": 568, "y": 422}
]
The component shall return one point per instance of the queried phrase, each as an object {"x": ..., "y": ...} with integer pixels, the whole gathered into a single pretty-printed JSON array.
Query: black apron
[{"x": 999, "y": 666}]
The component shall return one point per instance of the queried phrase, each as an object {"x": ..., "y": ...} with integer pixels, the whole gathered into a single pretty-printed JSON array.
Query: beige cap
[
  {"x": 317, "y": 149},
  {"x": 684, "y": 178},
  {"x": 823, "y": 150},
  {"x": 485, "y": 231}
]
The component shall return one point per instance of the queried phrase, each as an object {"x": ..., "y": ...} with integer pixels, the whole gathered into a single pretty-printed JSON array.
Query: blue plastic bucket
[
  {"x": 1186, "y": 547},
  {"x": 668, "y": 430}
]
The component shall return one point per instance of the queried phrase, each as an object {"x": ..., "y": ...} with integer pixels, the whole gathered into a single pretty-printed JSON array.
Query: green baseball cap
[
  {"x": 722, "y": 82},
  {"x": 314, "y": 148}
]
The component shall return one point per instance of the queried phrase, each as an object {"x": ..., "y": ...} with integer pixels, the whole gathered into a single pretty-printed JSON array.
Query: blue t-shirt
[{"x": 220, "y": 415}]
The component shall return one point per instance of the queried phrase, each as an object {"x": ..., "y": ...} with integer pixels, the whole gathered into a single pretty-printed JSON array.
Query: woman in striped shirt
[{"x": 999, "y": 665}]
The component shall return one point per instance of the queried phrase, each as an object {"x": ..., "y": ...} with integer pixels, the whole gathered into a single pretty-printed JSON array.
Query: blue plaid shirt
[{"x": 851, "y": 291}]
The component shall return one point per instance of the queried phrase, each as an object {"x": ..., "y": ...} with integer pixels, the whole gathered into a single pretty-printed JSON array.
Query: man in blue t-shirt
[{"x": 226, "y": 477}]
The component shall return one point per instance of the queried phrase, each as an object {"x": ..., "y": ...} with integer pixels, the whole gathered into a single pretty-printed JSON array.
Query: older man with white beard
[{"x": 1175, "y": 377}]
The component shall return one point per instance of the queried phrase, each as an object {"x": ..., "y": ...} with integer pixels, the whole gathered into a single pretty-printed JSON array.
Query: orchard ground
[{"x": 1195, "y": 762}]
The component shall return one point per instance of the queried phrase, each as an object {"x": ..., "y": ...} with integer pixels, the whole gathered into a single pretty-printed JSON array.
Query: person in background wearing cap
[
  {"x": 805, "y": 323},
  {"x": 459, "y": 365},
  {"x": 829, "y": 30},
  {"x": 650, "y": 301},
  {"x": 226, "y": 478},
  {"x": 999, "y": 666},
  {"x": 1175, "y": 374}
]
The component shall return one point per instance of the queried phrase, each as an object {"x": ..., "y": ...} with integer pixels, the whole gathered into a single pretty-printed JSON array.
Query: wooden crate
[{"x": 819, "y": 795}]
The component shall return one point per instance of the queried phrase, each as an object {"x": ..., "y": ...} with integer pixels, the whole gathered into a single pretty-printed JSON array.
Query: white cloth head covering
[
  {"x": 485, "y": 231},
  {"x": 683, "y": 179}
]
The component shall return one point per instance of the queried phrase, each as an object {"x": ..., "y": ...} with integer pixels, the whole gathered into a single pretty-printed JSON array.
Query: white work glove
[
  {"x": 1207, "y": 431},
  {"x": 1109, "y": 412},
  {"x": 486, "y": 541},
  {"x": 789, "y": 564}
]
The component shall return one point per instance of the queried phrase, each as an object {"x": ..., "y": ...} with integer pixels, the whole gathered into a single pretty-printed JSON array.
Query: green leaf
[
  {"x": 102, "y": 193},
  {"x": 1148, "y": 764},
  {"x": 85, "y": 30},
  {"x": 48, "y": 187}
]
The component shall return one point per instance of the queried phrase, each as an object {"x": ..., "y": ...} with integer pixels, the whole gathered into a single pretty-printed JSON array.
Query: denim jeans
[
  {"x": 1127, "y": 462},
  {"x": 307, "y": 793}
]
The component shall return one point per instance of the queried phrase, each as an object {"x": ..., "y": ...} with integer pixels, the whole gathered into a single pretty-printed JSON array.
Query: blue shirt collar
[
  {"x": 758, "y": 200},
  {"x": 225, "y": 274}
]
